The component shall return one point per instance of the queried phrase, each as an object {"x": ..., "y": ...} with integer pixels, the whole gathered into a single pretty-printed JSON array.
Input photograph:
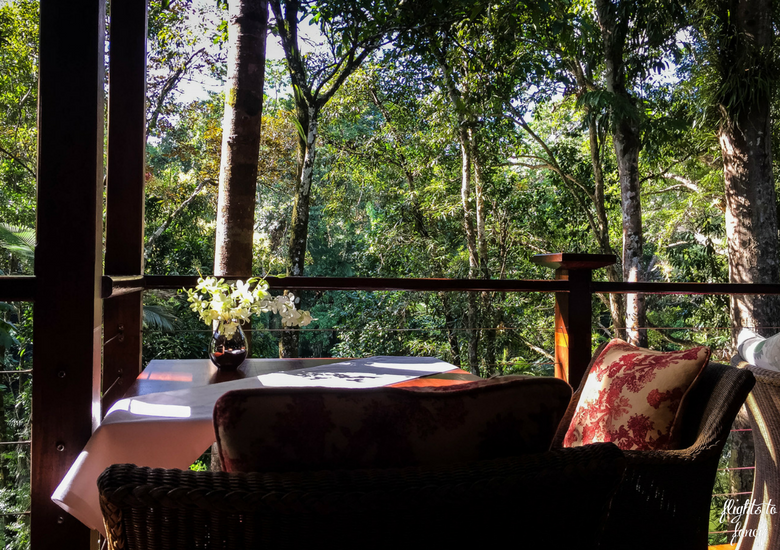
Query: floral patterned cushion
[
  {"x": 632, "y": 396},
  {"x": 289, "y": 429}
]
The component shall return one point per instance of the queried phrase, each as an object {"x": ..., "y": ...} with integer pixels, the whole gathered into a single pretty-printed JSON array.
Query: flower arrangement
[{"x": 225, "y": 306}]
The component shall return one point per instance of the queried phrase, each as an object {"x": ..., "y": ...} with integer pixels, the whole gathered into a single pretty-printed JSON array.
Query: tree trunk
[
  {"x": 467, "y": 150},
  {"x": 450, "y": 322},
  {"x": 745, "y": 136},
  {"x": 241, "y": 138},
  {"x": 311, "y": 93},
  {"x": 627, "y": 151},
  {"x": 300, "y": 216},
  {"x": 248, "y": 24},
  {"x": 616, "y": 303},
  {"x": 488, "y": 334},
  {"x": 471, "y": 244},
  {"x": 627, "y": 145},
  {"x": 299, "y": 232}
]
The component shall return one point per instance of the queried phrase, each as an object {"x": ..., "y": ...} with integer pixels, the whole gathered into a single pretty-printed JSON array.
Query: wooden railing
[{"x": 573, "y": 287}]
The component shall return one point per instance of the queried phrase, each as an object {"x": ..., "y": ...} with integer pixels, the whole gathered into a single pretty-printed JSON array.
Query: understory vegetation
[{"x": 469, "y": 139}]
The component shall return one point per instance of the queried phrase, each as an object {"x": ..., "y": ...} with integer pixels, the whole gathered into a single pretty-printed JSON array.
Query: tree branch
[
  {"x": 160, "y": 230},
  {"x": 167, "y": 88},
  {"x": 663, "y": 173},
  {"x": 518, "y": 119},
  {"x": 684, "y": 184},
  {"x": 537, "y": 349},
  {"x": 287, "y": 27},
  {"x": 19, "y": 161}
]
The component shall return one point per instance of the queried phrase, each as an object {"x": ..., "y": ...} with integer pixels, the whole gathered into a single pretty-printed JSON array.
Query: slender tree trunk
[
  {"x": 450, "y": 322},
  {"x": 466, "y": 147},
  {"x": 241, "y": 138},
  {"x": 616, "y": 303},
  {"x": 299, "y": 231},
  {"x": 745, "y": 136},
  {"x": 627, "y": 146},
  {"x": 627, "y": 152},
  {"x": 300, "y": 218},
  {"x": 479, "y": 195},
  {"x": 465, "y": 201},
  {"x": 489, "y": 334},
  {"x": 311, "y": 93},
  {"x": 471, "y": 243}
]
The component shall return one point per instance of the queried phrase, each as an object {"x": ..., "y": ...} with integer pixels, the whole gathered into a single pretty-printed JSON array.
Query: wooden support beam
[
  {"x": 68, "y": 257},
  {"x": 119, "y": 285},
  {"x": 17, "y": 288},
  {"x": 122, "y": 314},
  {"x": 573, "y": 311}
]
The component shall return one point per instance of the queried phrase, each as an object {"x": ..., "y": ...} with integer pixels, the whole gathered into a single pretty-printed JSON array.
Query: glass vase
[{"x": 227, "y": 353}]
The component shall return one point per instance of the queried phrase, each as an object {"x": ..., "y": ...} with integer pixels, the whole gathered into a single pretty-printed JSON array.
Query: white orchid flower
[{"x": 230, "y": 305}]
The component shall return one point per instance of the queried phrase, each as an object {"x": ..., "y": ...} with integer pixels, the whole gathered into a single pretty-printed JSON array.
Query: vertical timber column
[
  {"x": 68, "y": 257},
  {"x": 573, "y": 311},
  {"x": 125, "y": 193}
]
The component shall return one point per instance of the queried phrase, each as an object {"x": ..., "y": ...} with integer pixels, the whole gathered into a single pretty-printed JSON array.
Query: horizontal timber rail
[
  {"x": 684, "y": 288},
  {"x": 17, "y": 288},
  {"x": 22, "y": 288},
  {"x": 124, "y": 285},
  {"x": 373, "y": 283}
]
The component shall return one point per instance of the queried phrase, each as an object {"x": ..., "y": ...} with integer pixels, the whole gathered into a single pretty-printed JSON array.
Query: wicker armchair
[
  {"x": 560, "y": 497},
  {"x": 664, "y": 498},
  {"x": 762, "y": 531}
]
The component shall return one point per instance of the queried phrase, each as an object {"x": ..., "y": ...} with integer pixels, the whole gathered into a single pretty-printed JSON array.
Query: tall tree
[
  {"x": 740, "y": 37},
  {"x": 565, "y": 48},
  {"x": 615, "y": 18},
  {"x": 352, "y": 30},
  {"x": 471, "y": 188},
  {"x": 636, "y": 38},
  {"x": 248, "y": 24}
]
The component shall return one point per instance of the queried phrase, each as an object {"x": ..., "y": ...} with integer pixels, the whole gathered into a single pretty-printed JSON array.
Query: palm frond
[
  {"x": 18, "y": 240},
  {"x": 158, "y": 317}
]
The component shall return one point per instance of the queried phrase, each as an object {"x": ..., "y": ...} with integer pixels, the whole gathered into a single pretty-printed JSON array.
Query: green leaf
[
  {"x": 158, "y": 317},
  {"x": 7, "y": 339},
  {"x": 18, "y": 240}
]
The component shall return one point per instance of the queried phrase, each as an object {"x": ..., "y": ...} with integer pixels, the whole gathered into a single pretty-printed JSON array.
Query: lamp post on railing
[{"x": 573, "y": 310}]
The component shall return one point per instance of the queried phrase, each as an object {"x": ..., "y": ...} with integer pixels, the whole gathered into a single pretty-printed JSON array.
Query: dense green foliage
[
  {"x": 525, "y": 80},
  {"x": 18, "y": 133}
]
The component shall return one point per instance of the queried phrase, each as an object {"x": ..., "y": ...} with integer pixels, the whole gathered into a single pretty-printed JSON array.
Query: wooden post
[
  {"x": 125, "y": 193},
  {"x": 68, "y": 257},
  {"x": 573, "y": 311}
]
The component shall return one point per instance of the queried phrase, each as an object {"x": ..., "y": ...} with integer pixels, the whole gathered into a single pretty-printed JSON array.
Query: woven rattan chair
[
  {"x": 559, "y": 497},
  {"x": 762, "y": 531},
  {"x": 664, "y": 498}
]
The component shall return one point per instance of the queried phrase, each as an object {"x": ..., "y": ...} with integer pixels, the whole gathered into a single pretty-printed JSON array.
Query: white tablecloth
[{"x": 172, "y": 429}]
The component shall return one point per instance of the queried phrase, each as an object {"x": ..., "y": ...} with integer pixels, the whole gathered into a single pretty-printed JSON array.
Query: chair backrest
[
  {"x": 712, "y": 405},
  {"x": 288, "y": 429}
]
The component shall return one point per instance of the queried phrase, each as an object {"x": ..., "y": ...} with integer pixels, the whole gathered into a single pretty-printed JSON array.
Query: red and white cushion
[{"x": 632, "y": 396}]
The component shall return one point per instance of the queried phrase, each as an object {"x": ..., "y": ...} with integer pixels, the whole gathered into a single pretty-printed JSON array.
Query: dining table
[{"x": 165, "y": 418}]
